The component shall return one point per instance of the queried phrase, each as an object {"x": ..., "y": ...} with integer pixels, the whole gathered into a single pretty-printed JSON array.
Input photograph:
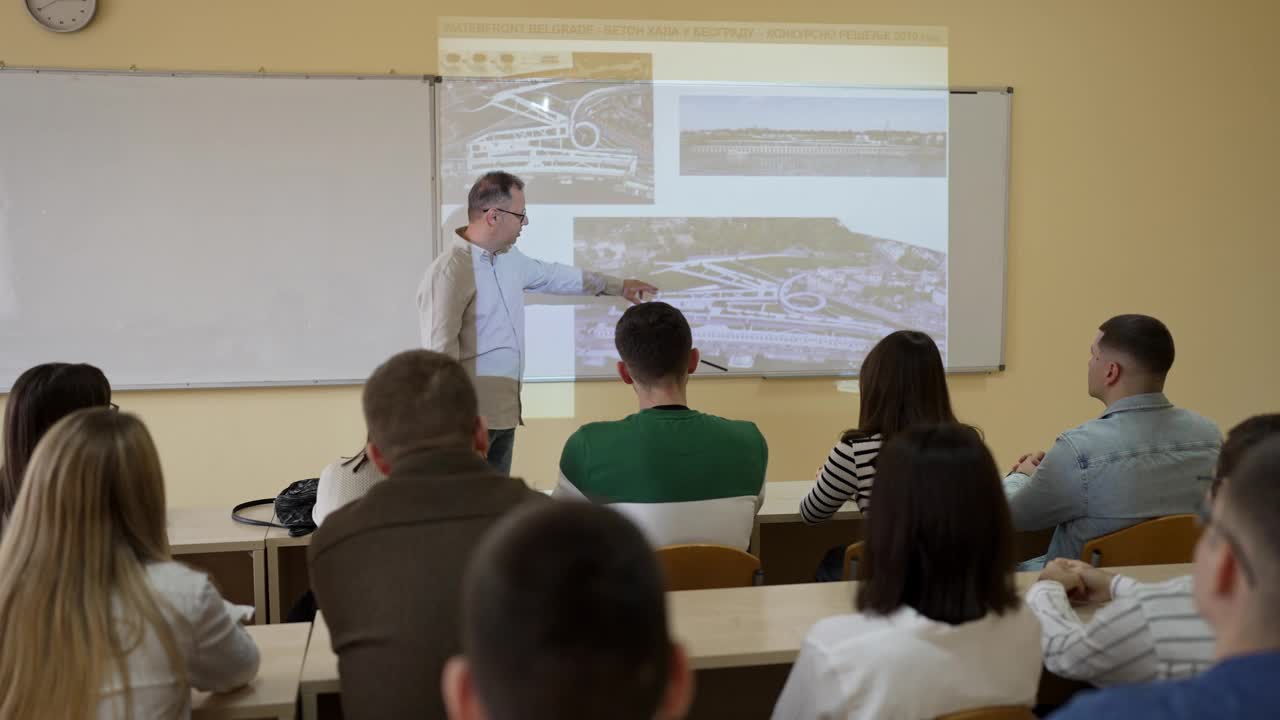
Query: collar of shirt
[
  {"x": 1146, "y": 401},
  {"x": 460, "y": 240}
]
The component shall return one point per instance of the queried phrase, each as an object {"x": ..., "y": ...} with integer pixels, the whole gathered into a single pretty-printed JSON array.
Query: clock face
[{"x": 62, "y": 15}]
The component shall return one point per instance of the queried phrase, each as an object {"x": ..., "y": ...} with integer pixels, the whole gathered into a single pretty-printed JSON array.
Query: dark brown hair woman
[
  {"x": 902, "y": 383},
  {"x": 939, "y": 627},
  {"x": 39, "y": 398}
]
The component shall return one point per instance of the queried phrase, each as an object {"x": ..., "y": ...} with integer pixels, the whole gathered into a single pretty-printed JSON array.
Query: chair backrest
[
  {"x": 1003, "y": 712},
  {"x": 852, "y": 554},
  {"x": 702, "y": 567},
  {"x": 1161, "y": 541}
]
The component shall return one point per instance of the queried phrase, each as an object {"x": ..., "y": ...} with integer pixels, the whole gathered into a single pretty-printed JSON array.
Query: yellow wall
[{"x": 1144, "y": 180}]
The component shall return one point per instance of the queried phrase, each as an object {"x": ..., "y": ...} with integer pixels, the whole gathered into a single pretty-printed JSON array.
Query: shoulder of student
[
  {"x": 371, "y": 511},
  {"x": 1188, "y": 425},
  {"x": 746, "y": 428},
  {"x": 858, "y": 442},
  {"x": 184, "y": 587},
  {"x": 1119, "y": 703}
]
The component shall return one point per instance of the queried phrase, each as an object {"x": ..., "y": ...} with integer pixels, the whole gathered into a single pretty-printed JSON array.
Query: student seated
[
  {"x": 1236, "y": 581},
  {"x": 902, "y": 383},
  {"x": 681, "y": 475},
  {"x": 565, "y": 619},
  {"x": 939, "y": 627},
  {"x": 385, "y": 570},
  {"x": 1146, "y": 631},
  {"x": 341, "y": 482},
  {"x": 1142, "y": 459},
  {"x": 98, "y": 620},
  {"x": 39, "y": 398}
]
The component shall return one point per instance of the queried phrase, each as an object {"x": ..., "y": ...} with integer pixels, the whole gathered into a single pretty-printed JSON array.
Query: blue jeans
[
  {"x": 1033, "y": 564},
  {"x": 501, "y": 445}
]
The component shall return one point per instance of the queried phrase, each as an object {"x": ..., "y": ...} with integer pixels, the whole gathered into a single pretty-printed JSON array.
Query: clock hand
[{"x": 48, "y": 4}]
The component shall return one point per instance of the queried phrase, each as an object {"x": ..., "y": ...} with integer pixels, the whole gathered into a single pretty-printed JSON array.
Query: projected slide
[
  {"x": 762, "y": 135},
  {"x": 596, "y": 140},
  {"x": 786, "y": 294},
  {"x": 794, "y": 223}
]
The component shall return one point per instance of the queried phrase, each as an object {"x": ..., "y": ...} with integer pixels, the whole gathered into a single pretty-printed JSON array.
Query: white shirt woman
[
  {"x": 218, "y": 653},
  {"x": 99, "y": 620},
  {"x": 939, "y": 627},
  {"x": 906, "y": 666}
]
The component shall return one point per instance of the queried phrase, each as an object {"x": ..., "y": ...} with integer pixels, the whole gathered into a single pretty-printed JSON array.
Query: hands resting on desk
[{"x": 1085, "y": 584}]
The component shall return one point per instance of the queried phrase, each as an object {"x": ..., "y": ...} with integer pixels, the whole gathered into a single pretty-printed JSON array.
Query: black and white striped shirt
[
  {"x": 1148, "y": 632},
  {"x": 847, "y": 475}
]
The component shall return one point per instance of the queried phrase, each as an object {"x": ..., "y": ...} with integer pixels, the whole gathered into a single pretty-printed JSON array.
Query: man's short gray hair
[{"x": 491, "y": 190}]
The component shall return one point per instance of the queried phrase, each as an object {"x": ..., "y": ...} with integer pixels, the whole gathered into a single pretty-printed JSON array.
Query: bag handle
[{"x": 235, "y": 514}]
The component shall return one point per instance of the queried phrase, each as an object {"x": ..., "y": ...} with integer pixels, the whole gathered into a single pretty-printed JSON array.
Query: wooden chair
[
  {"x": 1161, "y": 541},
  {"x": 702, "y": 567},
  {"x": 852, "y": 554},
  {"x": 1003, "y": 712}
]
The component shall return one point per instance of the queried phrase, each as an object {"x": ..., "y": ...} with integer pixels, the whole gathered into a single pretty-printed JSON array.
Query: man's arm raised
[{"x": 559, "y": 279}]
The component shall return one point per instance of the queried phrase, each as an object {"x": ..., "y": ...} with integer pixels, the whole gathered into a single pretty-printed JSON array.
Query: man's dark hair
[
  {"x": 1253, "y": 501},
  {"x": 654, "y": 341},
  {"x": 491, "y": 190},
  {"x": 565, "y": 618},
  {"x": 902, "y": 383},
  {"x": 1240, "y": 439},
  {"x": 40, "y": 397},
  {"x": 940, "y": 539},
  {"x": 419, "y": 400},
  {"x": 1143, "y": 338}
]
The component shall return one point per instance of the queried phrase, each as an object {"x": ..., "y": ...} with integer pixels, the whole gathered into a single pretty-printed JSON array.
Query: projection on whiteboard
[
  {"x": 595, "y": 142},
  {"x": 790, "y": 197}
]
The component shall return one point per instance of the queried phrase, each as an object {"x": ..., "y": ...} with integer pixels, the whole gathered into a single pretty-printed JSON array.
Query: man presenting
[{"x": 471, "y": 302}]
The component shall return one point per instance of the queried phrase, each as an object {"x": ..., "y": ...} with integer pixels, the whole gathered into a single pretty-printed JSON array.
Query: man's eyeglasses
[
  {"x": 1205, "y": 518},
  {"x": 524, "y": 216}
]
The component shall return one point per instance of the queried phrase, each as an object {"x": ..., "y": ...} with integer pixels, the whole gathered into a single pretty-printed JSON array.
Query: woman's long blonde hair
[{"x": 74, "y": 595}]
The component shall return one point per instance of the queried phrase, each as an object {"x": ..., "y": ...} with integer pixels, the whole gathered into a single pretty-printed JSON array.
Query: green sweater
[{"x": 682, "y": 475}]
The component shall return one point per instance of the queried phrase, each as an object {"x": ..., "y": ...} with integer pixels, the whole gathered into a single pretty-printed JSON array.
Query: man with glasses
[
  {"x": 471, "y": 302},
  {"x": 1149, "y": 631},
  {"x": 1236, "y": 582}
]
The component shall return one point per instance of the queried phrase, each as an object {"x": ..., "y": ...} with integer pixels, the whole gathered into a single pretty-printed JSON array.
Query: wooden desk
[
  {"x": 757, "y": 630},
  {"x": 789, "y": 550},
  {"x": 319, "y": 670},
  {"x": 274, "y": 693},
  {"x": 782, "y": 503},
  {"x": 287, "y": 574},
  {"x": 230, "y": 552},
  {"x": 742, "y": 627},
  {"x": 743, "y": 641}
]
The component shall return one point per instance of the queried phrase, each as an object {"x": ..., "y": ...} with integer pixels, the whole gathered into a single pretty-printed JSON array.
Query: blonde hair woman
[{"x": 98, "y": 621}]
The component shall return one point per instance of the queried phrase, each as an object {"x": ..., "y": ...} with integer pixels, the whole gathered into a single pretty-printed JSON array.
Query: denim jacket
[{"x": 1142, "y": 459}]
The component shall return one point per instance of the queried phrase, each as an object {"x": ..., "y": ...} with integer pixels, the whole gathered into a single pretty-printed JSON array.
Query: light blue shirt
[
  {"x": 471, "y": 305},
  {"x": 1144, "y": 458},
  {"x": 502, "y": 279}
]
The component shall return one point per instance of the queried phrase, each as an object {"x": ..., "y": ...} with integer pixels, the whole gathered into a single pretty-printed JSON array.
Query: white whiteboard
[
  {"x": 212, "y": 230},
  {"x": 979, "y": 219}
]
